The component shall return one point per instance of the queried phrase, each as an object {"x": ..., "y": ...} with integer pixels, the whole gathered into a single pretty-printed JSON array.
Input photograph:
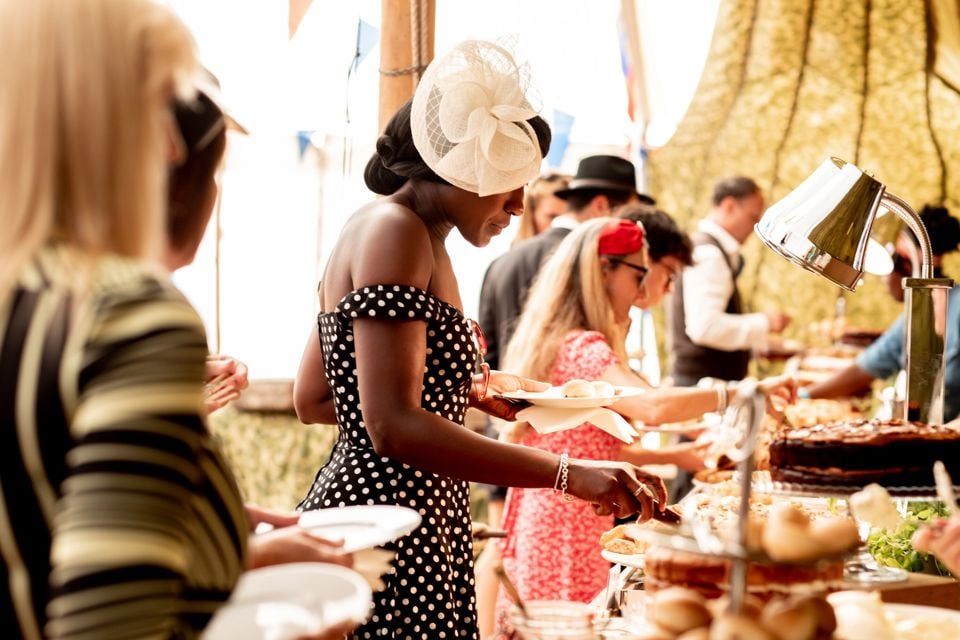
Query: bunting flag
[
  {"x": 367, "y": 38},
  {"x": 627, "y": 68},
  {"x": 304, "y": 141},
  {"x": 297, "y": 9},
  {"x": 561, "y": 126}
]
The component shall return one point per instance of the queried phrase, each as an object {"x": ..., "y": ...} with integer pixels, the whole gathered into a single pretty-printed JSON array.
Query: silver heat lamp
[{"x": 824, "y": 226}]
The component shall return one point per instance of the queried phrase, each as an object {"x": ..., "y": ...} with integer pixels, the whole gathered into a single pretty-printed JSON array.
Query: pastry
[
  {"x": 603, "y": 389},
  {"x": 731, "y": 626},
  {"x": 577, "y": 389},
  {"x": 678, "y": 610}
]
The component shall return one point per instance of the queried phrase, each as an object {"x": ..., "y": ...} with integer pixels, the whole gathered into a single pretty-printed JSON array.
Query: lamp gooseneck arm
[{"x": 910, "y": 217}]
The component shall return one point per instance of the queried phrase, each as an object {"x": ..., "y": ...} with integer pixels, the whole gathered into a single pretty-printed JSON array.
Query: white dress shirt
[{"x": 707, "y": 287}]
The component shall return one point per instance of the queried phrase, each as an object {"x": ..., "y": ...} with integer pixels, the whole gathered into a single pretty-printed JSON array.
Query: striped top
[{"x": 118, "y": 516}]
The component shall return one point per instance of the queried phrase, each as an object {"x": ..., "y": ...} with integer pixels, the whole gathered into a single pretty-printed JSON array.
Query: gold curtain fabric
[{"x": 790, "y": 82}]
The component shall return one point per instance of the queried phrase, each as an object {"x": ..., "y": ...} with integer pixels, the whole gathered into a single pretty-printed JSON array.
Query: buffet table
[{"x": 920, "y": 588}]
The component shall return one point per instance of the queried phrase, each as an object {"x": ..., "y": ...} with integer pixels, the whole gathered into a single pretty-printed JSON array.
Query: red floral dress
[{"x": 552, "y": 551}]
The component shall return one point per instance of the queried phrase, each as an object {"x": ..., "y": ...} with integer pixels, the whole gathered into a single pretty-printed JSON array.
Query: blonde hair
[
  {"x": 544, "y": 186},
  {"x": 568, "y": 294},
  {"x": 86, "y": 125}
]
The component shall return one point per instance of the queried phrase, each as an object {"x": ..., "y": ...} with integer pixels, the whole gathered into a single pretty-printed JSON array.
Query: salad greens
[{"x": 894, "y": 549}]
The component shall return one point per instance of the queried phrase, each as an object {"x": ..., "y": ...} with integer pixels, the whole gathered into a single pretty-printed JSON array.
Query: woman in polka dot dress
[{"x": 394, "y": 360}]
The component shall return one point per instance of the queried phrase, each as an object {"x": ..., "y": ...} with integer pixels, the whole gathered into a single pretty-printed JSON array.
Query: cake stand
[
  {"x": 862, "y": 568},
  {"x": 737, "y": 439}
]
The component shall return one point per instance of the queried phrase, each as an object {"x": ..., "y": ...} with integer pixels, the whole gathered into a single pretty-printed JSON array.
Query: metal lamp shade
[{"x": 824, "y": 224}]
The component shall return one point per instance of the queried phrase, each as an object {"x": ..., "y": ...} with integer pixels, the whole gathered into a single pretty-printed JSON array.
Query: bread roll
[
  {"x": 788, "y": 512},
  {"x": 732, "y": 626},
  {"x": 577, "y": 389},
  {"x": 700, "y": 633},
  {"x": 730, "y": 530},
  {"x": 786, "y": 541},
  {"x": 752, "y": 605},
  {"x": 835, "y": 535},
  {"x": 655, "y": 633},
  {"x": 826, "y": 618},
  {"x": 678, "y": 610},
  {"x": 603, "y": 389},
  {"x": 791, "y": 619}
]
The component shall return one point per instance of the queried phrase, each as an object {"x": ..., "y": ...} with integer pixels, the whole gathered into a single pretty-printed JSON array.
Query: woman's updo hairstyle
[{"x": 396, "y": 159}]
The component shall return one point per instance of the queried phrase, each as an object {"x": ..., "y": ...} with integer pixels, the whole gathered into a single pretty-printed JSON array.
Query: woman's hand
[
  {"x": 616, "y": 488},
  {"x": 501, "y": 382},
  {"x": 293, "y": 544},
  {"x": 276, "y": 519},
  {"x": 689, "y": 456},
  {"x": 942, "y": 539},
  {"x": 226, "y": 378},
  {"x": 779, "y": 391},
  {"x": 287, "y": 542}
]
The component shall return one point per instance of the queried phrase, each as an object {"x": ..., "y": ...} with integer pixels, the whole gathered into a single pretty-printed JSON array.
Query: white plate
[
  {"x": 262, "y": 621},
  {"x": 552, "y": 398},
  {"x": 917, "y": 621},
  {"x": 331, "y": 591},
  {"x": 634, "y": 560},
  {"x": 361, "y": 527}
]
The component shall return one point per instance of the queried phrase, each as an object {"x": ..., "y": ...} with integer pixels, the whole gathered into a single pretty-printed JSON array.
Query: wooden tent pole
[{"x": 406, "y": 47}]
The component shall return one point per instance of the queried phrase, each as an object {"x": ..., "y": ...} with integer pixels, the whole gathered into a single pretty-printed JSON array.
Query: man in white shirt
[{"x": 710, "y": 334}]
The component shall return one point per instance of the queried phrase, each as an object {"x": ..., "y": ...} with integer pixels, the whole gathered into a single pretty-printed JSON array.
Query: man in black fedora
[{"x": 601, "y": 185}]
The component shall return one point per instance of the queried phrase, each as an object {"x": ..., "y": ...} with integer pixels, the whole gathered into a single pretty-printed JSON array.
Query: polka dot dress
[{"x": 431, "y": 594}]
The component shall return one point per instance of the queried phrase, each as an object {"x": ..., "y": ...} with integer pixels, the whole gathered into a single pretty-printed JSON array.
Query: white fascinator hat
[{"x": 469, "y": 119}]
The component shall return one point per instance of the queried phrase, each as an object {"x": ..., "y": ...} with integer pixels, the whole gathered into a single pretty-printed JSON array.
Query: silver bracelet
[
  {"x": 722, "y": 397},
  {"x": 563, "y": 473}
]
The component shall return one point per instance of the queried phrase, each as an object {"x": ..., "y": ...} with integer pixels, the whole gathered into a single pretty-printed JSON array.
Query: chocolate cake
[{"x": 893, "y": 453}]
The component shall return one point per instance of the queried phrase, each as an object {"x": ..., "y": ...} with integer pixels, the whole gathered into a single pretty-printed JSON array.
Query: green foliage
[{"x": 895, "y": 549}]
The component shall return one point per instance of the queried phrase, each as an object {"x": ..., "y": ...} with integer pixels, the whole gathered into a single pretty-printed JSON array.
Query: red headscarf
[{"x": 621, "y": 238}]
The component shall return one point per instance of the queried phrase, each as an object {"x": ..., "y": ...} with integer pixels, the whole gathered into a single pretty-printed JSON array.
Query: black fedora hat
[{"x": 606, "y": 173}]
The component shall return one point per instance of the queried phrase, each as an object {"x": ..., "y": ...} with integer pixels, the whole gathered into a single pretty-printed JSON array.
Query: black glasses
[
  {"x": 481, "y": 373},
  {"x": 643, "y": 271}
]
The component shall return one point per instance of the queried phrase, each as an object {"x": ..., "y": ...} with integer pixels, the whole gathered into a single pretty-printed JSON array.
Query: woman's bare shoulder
[{"x": 386, "y": 242}]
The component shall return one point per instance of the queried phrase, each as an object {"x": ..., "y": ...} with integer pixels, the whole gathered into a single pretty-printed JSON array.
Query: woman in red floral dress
[{"x": 574, "y": 327}]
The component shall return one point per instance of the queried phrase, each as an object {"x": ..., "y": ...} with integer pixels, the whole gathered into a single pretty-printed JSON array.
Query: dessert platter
[
  {"x": 755, "y": 555},
  {"x": 791, "y": 547}
]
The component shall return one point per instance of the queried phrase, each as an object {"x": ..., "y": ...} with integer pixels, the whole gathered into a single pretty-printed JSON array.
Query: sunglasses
[
  {"x": 643, "y": 271},
  {"x": 481, "y": 375}
]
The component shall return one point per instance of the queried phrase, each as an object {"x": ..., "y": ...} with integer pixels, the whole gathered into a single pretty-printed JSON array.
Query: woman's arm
[
  {"x": 852, "y": 381},
  {"x": 312, "y": 397},
  {"x": 677, "y": 404},
  {"x": 686, "y": 455},
  {"x": 656, "y": 406},
  {"x": 390, "y": 356}
]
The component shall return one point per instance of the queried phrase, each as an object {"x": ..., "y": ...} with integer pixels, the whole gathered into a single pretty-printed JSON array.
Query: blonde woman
[
  {"x": 118, "y": 517},
  {"x": 574, "y": 326},
  {"x": 540, "y": 206}
]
